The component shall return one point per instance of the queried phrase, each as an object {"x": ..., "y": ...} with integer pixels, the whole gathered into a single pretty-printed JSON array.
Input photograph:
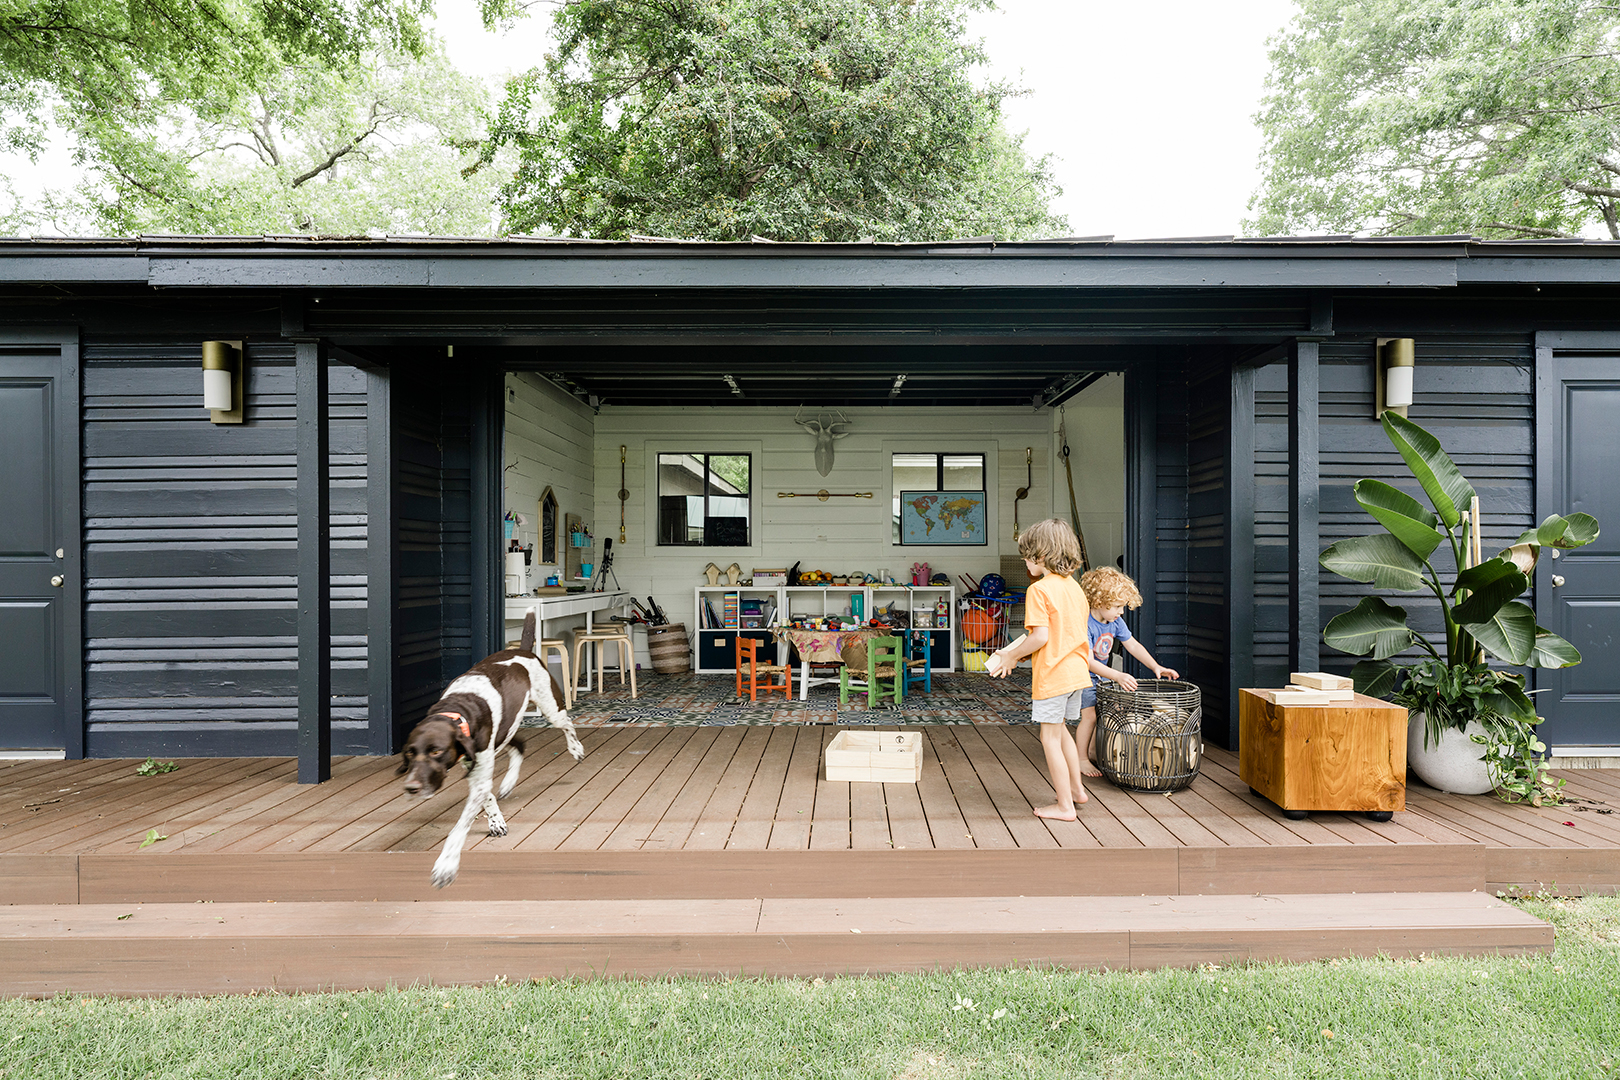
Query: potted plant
[{"x": 1458, "y": 701}]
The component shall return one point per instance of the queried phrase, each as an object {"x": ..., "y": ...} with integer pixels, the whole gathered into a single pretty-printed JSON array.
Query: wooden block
[
  {"x": 1300, "y": 696},
  {"x": 1327, "y": 756},
  {"x": 890, "y": 757},
  {"x": 1320, "y": 680}
]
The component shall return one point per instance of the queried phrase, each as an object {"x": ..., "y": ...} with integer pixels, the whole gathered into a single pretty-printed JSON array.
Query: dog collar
[{"x": 465, "y": 730}]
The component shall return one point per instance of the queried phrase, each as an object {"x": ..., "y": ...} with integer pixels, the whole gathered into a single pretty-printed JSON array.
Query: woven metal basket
[{"x": 1150, "y": 739}]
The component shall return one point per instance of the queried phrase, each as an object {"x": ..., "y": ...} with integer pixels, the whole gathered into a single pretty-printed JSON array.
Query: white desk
[{"x": 556, "y": 607}]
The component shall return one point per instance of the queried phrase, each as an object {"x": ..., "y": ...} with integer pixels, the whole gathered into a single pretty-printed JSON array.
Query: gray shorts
[{"x": 1056, "y": 710}]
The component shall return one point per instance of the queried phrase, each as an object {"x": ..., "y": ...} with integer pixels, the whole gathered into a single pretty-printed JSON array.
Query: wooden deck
[{"x": 726, "y": 812}]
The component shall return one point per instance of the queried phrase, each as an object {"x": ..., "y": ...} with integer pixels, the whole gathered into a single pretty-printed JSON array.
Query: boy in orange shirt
[{"x": 1055, "y": 614}]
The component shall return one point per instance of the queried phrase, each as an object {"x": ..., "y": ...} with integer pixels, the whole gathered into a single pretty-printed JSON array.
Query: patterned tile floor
[{"x": 688, "y": 700}]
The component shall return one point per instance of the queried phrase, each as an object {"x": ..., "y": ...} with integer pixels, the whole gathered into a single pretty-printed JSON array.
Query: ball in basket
[
  {"x": 992, "y": 585},
  {"x": 978, "y": 626}
]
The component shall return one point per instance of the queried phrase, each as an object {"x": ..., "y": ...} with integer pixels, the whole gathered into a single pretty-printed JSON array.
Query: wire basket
[
  {"x": 1150, "y": 739},
  {"x": 983, "y": 626}
]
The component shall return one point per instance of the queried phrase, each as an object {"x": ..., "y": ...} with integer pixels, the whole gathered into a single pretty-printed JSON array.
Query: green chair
[{"x": 880, "y": 652}]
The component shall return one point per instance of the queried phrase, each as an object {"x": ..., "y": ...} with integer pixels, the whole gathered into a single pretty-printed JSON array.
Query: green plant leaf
[
  {"x": 1438, "y": 474},
  {"x": 1552, "y": 651},
  {"x": 1380, "y": 559},
  {"x": 1573, "y": 531},
  {"x": 1523, "y": 555},
  {"x": 1511, "y": 701},
  {"x": 1371, "y": 626},
  {"x": 1509, "y": 634},
  {"x": 1406, "y": 518},
  {"x": 152, "y": 837},
  {"x": 1375, "y": 678},
  {"x": 1490, "y": 584}
]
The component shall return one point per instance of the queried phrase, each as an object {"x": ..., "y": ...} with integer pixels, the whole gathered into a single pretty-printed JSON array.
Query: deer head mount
[{"x": 825, "y": 431}]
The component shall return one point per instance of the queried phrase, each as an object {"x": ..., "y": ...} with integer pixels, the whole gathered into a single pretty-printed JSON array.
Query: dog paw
[
  {"x": 497, "y": 829},
  {"x": 443, "y": 875},
  {"x": 575, "y": 747},
  {"x": 506, "y": 788}
]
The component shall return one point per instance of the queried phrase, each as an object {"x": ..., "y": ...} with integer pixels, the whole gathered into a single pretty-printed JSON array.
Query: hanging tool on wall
[
  {"x": 1074, "y": 509},
  {"x": 624, "y": 493},
  {"x": 1023, "y": 492}
]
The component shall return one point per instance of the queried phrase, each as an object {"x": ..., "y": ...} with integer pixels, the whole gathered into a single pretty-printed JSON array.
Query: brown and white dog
[{"x": 476, "y": 718}]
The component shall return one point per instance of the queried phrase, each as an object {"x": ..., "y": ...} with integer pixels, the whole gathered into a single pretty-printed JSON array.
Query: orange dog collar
[{"x": 465, "y": 730}]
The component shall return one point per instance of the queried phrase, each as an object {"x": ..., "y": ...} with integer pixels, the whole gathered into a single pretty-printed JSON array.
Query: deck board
[{"x": 741, "y": 789}]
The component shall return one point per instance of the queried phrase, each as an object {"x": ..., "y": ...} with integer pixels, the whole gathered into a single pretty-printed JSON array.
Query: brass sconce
[
  {"x": 222, "y": 381},
  {"x": 1392, "y": 378}
]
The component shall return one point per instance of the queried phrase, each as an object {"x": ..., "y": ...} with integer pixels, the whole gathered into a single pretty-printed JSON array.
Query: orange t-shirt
[{"x": 1059, "y": 604}]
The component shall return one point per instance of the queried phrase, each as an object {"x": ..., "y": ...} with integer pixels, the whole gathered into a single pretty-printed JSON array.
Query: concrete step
[{"x": 205, "y": 948}]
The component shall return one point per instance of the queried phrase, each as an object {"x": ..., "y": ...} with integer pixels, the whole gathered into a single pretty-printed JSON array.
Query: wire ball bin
[{"x": 1150, "y": 739}]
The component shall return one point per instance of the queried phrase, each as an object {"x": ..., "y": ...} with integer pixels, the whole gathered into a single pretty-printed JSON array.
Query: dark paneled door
[
  {"x": 40, "y": 684},
  {"x": 1578, "y": 593}
]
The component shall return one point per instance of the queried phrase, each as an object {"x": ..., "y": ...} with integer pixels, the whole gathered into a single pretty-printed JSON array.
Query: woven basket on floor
[{"x": 1150, "y": 739}]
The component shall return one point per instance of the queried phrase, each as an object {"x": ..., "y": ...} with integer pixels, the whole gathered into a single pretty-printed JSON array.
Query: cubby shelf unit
[{"x": 715, "y": 650}]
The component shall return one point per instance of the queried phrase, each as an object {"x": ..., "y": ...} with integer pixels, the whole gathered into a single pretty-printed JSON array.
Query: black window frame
[
  {"x": 939, "y": 481},
  {"x": 705, "y": 455}
]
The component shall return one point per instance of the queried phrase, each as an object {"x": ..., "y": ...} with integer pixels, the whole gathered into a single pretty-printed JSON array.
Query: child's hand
[
  {"x": 998, "y": 665},
  {"x": 1126, "y": 682},
  {"x": 1166, "y": 673}
]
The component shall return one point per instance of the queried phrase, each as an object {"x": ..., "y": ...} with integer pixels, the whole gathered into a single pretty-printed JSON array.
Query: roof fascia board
[
  {"x": 1556, "y": 270},
  {"x": 87, "y": 268},
  {"x": 365, "y": 270}
]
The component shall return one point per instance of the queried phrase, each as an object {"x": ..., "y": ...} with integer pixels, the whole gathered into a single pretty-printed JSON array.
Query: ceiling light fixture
[
  {"x": 735, "y": 389},
  {"x": 899, "y": 381}
]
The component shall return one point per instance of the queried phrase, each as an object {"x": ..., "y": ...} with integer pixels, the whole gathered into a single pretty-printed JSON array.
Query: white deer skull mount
[{"x": 825, "y": 431}]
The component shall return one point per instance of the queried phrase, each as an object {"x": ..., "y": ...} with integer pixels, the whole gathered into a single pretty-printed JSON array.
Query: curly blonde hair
[
  {"x": 1051, "y": 543},
  {"x": 1104, "y": 587}
]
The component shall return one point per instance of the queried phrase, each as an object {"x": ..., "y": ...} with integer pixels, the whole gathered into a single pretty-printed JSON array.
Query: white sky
[{"x": 1149, "y": 109}]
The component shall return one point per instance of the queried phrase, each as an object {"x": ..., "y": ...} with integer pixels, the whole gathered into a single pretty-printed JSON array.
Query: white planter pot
[{"x": 1453, "y": 764}]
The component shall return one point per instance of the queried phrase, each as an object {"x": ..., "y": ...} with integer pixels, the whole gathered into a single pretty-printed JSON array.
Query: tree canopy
[
  {"x": 783, "y": 119},
  {"x": 1491, "y": 117}
]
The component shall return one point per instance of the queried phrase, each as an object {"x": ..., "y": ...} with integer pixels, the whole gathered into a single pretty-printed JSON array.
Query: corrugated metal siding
[
  {"x": 1475, "y": 394},
  {"x": 432, "y": 623},
  {"x": 1169, "y": 645},
  {"x": 190, "y": 547},
  {"x": 1207, "y": 661}
]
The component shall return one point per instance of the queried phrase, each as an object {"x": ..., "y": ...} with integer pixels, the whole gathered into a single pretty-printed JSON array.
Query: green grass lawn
[{"x": 1545, "y": 1016}]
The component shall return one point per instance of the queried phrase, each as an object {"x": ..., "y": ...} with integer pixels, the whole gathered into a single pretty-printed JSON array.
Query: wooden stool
[
  {"x": 919, "y": 660},
  {"x": 543, "y": 650},
  {"x": 618, "y": 635}
]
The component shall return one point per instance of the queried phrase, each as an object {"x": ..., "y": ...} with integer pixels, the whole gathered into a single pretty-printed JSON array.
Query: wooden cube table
[{"x": 1341, "y": 756}]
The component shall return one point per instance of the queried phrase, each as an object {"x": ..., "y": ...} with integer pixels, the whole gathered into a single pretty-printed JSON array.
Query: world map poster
[{"x": 942, "y": 517}]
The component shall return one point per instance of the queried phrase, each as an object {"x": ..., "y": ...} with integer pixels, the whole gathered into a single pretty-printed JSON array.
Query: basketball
[{"x": 978, "y": 626}]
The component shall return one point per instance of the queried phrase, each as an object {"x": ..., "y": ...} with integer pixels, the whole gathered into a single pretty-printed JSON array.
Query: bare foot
[
  {"x": 1081, "y": 797},
  {"x": 1087, "y": 768},
  {"x": 1057, "y": 813}
]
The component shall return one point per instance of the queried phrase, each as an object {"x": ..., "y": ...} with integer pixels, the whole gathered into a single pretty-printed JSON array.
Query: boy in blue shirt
[{"x": 1110, "y": 593}]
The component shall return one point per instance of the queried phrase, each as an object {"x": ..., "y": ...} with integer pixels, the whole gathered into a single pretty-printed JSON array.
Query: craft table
[
  {"x": 557, "y": 607},
  {"x": 827, "y": 647}
]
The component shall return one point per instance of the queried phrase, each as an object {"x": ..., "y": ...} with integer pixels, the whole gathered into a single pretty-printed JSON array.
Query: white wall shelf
[{"x": 715, "y": 647}]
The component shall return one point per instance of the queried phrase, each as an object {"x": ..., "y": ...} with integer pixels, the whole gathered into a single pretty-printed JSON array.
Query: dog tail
[{"x": 526, "y": 643}]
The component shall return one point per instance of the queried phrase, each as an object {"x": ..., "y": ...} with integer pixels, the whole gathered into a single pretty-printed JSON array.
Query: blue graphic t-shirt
[{"x": 1102, "y": 637}]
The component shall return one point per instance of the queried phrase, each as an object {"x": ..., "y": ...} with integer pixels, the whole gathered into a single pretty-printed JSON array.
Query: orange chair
[{"x": 748, "y": 654}]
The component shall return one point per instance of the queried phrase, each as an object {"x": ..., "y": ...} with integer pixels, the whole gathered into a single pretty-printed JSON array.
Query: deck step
[{"x": 204, "y": 948}]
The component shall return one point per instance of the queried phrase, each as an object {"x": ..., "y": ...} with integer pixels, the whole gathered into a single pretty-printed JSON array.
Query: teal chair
[
  {"x": 880, "y": 652},
  {"x": 919, "y": 660}
]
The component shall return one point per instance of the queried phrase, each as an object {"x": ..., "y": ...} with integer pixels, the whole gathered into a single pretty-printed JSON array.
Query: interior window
[
  {"x": 932, "y": 472},
  {"x": 703, "y": 499}
]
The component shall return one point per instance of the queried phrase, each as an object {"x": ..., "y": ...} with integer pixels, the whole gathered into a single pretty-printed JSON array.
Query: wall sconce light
[
  {"x": 1393, "y": 376},
  {"x": 222, "y": 381}
]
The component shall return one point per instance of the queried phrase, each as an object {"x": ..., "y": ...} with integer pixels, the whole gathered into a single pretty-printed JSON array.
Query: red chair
[{"x": 748, "y": 655}]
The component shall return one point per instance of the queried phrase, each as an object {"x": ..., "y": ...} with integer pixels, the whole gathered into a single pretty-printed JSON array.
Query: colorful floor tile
[{"x": 688, "y": 700}]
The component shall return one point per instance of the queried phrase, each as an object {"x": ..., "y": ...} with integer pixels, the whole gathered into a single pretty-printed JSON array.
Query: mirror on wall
[{"x": 550, "y": 554}]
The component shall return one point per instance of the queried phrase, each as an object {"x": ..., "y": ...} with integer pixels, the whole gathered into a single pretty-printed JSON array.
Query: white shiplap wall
[
  {"x": 1096, "y": 423},
  {"x": 550, "y": 442},
  {"x": 845, "y": 535}
]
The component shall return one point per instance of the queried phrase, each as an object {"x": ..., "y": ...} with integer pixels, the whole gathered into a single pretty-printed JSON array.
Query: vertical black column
[
  {"x": 382, "y": 577},
  {"x": 1142, "y": 494},
  {"x": 1239, "y": 545},
  {"x": 488, "y": 427},
  {"x": 1304, "y": 509},
  {"x": 314, "y": 567}
]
